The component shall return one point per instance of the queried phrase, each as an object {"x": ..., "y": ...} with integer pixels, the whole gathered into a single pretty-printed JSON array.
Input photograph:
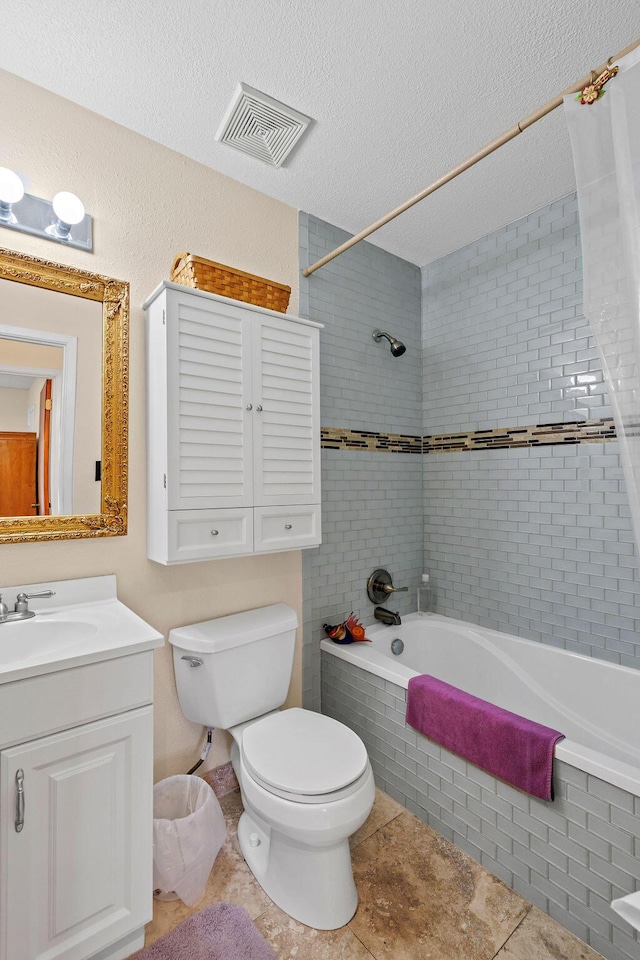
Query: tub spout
[{"x": 387, "y": 616}]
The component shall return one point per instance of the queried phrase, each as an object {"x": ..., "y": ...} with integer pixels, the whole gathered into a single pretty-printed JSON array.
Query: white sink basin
[
  {"x": 29, "y": 639},
  {"x": 76, "y": 622}
]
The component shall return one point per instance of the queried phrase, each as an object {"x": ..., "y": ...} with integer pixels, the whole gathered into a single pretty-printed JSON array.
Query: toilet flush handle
[{"x": 193, "y": 661}]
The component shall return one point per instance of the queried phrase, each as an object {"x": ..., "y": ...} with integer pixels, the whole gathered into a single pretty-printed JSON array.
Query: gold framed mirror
[{"x": 81, "y": 481}]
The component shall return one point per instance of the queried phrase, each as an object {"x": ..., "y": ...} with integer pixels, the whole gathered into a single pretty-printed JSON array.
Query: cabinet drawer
[
  {"x": 286, "y": 528},
  {"x": 41, "y": 705},
  {"x": 207, "y": 534}
]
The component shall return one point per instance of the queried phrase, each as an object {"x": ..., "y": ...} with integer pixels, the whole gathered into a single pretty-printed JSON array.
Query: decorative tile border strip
[
  {"x": 589, "y": 431},
  {"x": 336, "y": 438}
]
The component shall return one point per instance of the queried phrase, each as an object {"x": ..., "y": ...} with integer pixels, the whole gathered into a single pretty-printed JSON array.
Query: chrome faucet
[
  {"x": 387, "y": 617},
  {"x": 21, "y": 609}
]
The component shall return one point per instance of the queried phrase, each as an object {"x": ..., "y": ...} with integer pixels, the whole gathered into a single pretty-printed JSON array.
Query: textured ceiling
[{"x": 399, "y": 93}]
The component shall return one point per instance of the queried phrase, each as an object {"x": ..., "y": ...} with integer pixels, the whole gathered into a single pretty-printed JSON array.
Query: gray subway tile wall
[
  {"x": 371, "y": 502},
  {"x": 504, "y": 337},
  {"x": 371, "y": 517},
  {"x": 570, "y": 857},
  {"x": 361, "y": 385},
  {"x": 536, "y": 542}
]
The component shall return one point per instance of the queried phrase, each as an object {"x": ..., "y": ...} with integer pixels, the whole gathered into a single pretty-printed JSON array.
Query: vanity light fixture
[
  {"x": 11, "y": 191},
  {"x": 69, "y": 211},
  {"x": 62, "y": 220}
]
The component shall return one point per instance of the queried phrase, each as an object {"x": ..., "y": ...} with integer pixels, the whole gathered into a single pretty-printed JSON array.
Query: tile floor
[{"x": 420, "y": 899}]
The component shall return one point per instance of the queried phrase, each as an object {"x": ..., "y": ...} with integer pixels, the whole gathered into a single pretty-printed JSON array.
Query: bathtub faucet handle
[{"x": 380, "y": 586}]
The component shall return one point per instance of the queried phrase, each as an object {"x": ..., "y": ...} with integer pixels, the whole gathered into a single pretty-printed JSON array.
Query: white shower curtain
[{"x": 605, "y": 138}]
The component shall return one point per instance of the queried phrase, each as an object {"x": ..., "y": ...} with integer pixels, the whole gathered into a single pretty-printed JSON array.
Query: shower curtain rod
[{"x": 470, "y": 161}]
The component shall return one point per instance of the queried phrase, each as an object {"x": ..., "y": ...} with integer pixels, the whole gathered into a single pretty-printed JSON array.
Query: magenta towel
[{"x": 510, "y": 747}]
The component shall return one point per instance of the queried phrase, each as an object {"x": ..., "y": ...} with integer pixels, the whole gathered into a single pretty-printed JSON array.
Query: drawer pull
[
  {"x": 214, "y": 533},
  {"x": 288, "y": 526},
  {"x": 19, "y": 800}
]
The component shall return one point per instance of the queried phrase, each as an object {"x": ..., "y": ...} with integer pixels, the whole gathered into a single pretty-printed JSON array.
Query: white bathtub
[{"x": 594, "y": 703}]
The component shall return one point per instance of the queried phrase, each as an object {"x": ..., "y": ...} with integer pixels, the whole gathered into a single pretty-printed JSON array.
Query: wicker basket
[{"x": 215, "y": 277}]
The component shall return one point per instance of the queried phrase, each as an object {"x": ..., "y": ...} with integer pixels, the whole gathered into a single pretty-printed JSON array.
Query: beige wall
[
  {"x": 148, "y": 204},
  {"x": 13, "y": 409}
]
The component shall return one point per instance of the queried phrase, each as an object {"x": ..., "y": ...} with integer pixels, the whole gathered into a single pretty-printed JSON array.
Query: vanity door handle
[
  {"x": 19, "y": 800},
  {"x": 259, "y": 408}
]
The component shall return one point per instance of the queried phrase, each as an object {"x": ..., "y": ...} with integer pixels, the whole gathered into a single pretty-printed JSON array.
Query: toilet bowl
[
  {"x": 305, "y": 779},
  {"x": 301, "y": 803}
]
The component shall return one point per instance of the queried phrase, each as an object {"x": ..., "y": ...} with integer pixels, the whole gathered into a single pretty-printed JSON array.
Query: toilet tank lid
[{"x": 211, "y": 636}]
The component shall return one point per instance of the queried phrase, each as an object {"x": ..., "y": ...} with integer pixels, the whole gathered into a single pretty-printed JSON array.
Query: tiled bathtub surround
[
  {"x": 371, "y": 498},
  {"x": 526, "y": 530},
  {"x": 570, "y": 857},
  {"x": 505, "y": 340},
  {"x": 536, "y": 542},
  {"x": 369, "y": 509},
  {"x": 362, "y": 386}
]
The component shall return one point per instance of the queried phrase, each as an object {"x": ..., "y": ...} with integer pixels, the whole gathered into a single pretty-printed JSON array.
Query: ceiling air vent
[{"x": 261, "y": 126}]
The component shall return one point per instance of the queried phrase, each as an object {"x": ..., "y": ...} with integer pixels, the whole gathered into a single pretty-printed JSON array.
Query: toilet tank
[{"x": 246, "y": 665}]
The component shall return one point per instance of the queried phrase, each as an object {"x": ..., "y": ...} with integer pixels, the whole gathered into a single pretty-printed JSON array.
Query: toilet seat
[{"x": 304, "y": 756}]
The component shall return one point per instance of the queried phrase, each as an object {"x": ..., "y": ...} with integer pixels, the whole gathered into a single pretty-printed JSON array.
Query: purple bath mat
[{"x": 222, "y": 931}]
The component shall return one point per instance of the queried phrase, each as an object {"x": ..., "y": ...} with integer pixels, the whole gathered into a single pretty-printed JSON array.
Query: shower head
[{"x": 397, "y": 348}]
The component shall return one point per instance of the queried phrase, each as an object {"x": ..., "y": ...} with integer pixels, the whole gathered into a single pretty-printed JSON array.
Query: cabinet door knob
[
  {"x": 288, "y": 526},
  {"x": 249, "y": 406},
  {"x": 214, "y": 533},
  {"x": 259, "y": 408}
]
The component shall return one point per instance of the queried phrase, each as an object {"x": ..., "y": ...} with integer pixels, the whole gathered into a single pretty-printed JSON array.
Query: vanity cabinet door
[
  {"x": 287, "y": 406},
  {"x": 78, "y": 875}
]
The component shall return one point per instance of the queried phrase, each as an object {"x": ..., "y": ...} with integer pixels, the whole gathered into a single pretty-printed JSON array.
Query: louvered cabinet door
[
  {"x": 209, "y": 426},
  {"x": 286, "y": 403}
]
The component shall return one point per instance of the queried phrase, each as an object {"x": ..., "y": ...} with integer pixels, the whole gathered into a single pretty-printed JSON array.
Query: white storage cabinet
[
  {"x": 76, "y": 811},
  {"x": 233, "y": 428}
]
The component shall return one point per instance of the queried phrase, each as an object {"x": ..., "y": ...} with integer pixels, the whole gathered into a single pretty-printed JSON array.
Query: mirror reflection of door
[
  {"x": 25, "y": 445},
  {"x": 17, "y": 474},
  {"x": 51, "y": 335},
  {"x": 25, "y": 475}
]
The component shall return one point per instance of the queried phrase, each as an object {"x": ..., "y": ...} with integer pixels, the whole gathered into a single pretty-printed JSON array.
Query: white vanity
[{"x": 76, "y": 774}]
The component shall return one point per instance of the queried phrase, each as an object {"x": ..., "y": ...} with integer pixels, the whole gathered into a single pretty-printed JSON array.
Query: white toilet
[{"x": 305, "y": 779}]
